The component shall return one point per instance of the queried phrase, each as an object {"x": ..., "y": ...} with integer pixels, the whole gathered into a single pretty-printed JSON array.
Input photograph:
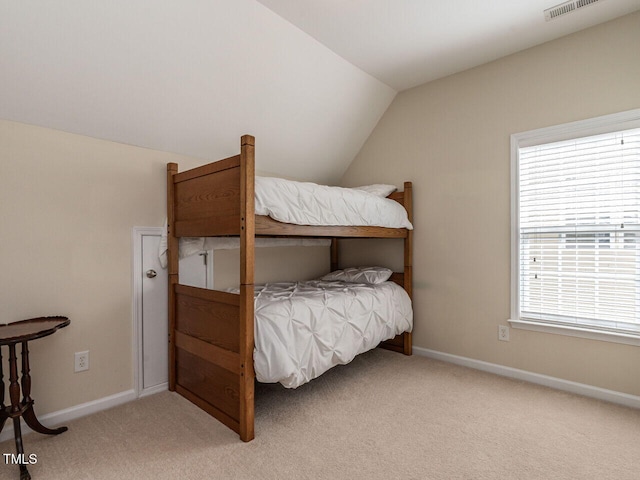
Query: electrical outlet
[
  {"x": 81, "y": 361},
  {"x": 503, "y": 333}
]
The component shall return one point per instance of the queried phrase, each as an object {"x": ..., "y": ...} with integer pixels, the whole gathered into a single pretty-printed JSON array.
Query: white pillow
[
  {"x": 379, "y": 189},
  {"x": 370, "y": 275}
]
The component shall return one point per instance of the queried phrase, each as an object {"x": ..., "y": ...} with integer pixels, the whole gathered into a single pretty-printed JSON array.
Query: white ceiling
[
  {"x": 405, "y": 43},
  {"x": 192, "y": 76},
  {"x": 188, "y": 77}
]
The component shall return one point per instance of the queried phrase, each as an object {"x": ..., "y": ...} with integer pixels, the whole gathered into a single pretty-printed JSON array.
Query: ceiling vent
[{"x": 566, "y": 7}]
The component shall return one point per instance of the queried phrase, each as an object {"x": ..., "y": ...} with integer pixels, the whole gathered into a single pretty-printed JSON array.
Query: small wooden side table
[{"x": 11, "y": 334}]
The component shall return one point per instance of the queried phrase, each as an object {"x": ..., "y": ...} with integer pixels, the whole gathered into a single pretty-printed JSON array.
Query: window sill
[{"x": 582, "y": 332}]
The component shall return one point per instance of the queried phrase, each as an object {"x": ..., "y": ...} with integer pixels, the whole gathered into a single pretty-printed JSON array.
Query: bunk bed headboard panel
[
  {"x": 207, "y": 345},
  {"x": 407, "y": 199},
  {"x": 407, "y": 202},
  {"x": 403, "y": 343},
  {"x": 207, "y": 200},
  {"x": 211, "y": 333},
  {"x": 209, "y": 315}
]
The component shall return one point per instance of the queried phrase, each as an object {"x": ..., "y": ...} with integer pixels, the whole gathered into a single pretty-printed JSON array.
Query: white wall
[
  {"x": 451, "y": 138},
  {"x": 188, "y": 77}
]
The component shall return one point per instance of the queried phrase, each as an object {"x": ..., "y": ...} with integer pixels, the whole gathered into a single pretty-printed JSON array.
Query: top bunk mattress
[{"x": 305, "y": 203}]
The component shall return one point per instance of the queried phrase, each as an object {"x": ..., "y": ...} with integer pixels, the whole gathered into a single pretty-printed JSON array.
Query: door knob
[{"x": 151, "y": 273}]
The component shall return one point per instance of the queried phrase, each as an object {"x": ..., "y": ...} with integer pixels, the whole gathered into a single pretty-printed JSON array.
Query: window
[{"x": 576, "y": 228}]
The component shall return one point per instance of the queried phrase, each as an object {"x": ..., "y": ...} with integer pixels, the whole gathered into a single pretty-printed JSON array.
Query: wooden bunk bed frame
[{"x": 211, "y": 333}]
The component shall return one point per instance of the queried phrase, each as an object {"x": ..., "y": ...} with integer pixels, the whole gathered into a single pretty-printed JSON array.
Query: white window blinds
[{"x": 579, "y": 232}]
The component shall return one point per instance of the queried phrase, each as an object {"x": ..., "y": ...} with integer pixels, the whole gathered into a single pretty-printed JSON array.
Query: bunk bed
[{"x": 211, "y": 333}]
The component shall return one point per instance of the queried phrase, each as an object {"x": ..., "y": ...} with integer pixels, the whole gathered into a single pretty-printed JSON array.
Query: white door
[
  {"x": 196, "y": 271},
  {"x": 155, "y": 362}
]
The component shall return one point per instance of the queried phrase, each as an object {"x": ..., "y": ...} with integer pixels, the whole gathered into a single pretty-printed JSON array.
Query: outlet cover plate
[
  {"x": 81, "y": 361},
  {"x": 503, "y": 333}
]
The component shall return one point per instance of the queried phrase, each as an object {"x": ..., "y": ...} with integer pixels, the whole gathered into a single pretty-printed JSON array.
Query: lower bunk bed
[{"x": 221, "y": 342}]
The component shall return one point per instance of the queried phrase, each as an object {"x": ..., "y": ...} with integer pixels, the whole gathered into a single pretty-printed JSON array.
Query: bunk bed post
[
  {"x": 334, "y": 254},
  {"x": 247, "y": 268},
  {"x": 172, "y": 267},
  {"x": 408, "y": 260}
]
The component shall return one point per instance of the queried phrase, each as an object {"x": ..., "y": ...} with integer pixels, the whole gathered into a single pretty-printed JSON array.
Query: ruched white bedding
[
  {"x": 303, "y": 329},
  {"x": 304, "y": 203}
]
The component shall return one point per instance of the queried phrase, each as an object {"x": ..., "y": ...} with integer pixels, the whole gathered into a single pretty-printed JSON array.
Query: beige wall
[
  {"x": 273, "y": 264},
  {"x": 451, "y": 138},
  {"x": 68, "y": 204}
]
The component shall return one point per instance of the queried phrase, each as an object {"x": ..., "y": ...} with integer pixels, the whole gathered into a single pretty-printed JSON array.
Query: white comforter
[
  {"x": 304, "y": 203},
  {"x": 303, "y": 329}
]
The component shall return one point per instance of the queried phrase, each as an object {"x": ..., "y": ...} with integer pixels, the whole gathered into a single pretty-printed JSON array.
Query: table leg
[
  {"x": 29, "y": 415},
  {"x": 3, "y": 413},
  {"x": 14, "y": 394},
  {"x": 26, "y": 378},
  {"x": 1, "y": 380},
  {"x": 24, "y": 473}
]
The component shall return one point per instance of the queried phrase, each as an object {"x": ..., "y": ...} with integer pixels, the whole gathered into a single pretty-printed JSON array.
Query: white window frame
[{"x": 594, "y": 126}]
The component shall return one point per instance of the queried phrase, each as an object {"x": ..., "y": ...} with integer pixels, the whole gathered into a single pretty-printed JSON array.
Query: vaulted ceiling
[
  {"x": 188, "y": 77},
  {"x": 406, "y": 43},
  {"x": 309, "y": 78}
]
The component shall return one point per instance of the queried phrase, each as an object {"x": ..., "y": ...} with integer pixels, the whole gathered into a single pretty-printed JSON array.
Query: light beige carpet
[{"x": 384, "y": 416}]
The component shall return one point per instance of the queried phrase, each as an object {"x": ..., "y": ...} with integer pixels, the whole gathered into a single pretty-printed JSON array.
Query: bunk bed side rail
[{"x": 266, "y": 226}]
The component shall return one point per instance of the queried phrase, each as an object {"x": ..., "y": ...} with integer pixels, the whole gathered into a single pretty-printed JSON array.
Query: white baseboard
[
  {"x": 553, "y": 382},
  {"x": 61, "y": 417},
  {"x": 155, "y": 389}
]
